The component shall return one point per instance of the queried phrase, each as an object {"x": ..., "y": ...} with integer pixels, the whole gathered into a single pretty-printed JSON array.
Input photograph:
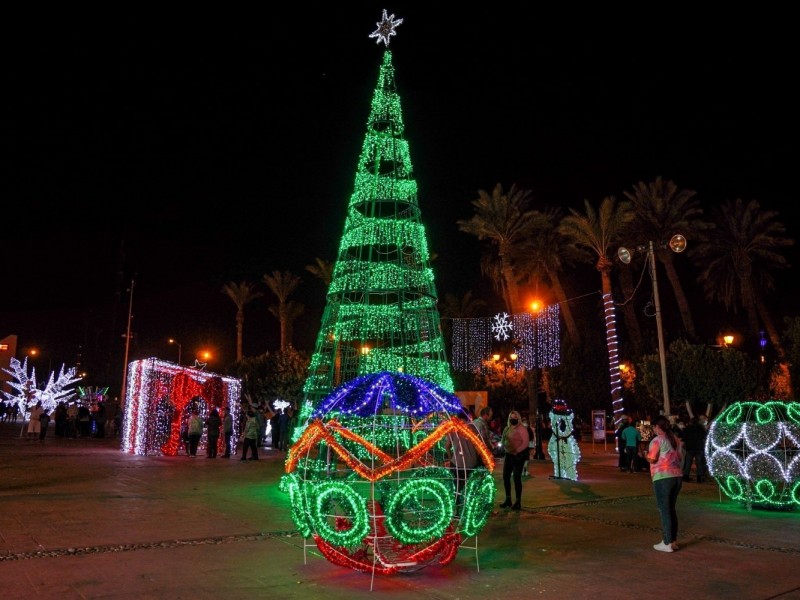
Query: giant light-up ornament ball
[
  {"x": 753, "y": 451},
  {"x": 370, "y": 480}
]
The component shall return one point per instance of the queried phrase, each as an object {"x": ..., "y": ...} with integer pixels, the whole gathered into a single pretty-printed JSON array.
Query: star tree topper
[{"x": 385, "y": 29}]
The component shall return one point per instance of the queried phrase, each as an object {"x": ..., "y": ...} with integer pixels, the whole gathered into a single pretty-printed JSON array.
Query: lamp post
[
  {"x": 505, "y": 361},
  {"x": 180, "y": 347},
  {"x": 127, "y": 349},
  {"x": 677, "y": 243}
]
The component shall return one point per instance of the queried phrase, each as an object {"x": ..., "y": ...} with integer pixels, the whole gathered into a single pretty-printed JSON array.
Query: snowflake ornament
[
  {"x": 501, "y": 326},
  {"x": 385, "y": 29}
]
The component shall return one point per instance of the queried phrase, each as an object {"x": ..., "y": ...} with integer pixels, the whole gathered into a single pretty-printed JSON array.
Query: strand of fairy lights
[{"x": 753, "y": 451}]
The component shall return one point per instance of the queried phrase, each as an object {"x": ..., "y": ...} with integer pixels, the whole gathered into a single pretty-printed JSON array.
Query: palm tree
[
  {"x": 502, "y": 219},
  {"x": 282, "y": 285},
  {"x": 465, "y": 307},
  {"x": 662, "y": 211},
  {"x": 598, "y": 232},
  {"x": 454, "y": 307},
  {"x": 736, "y": 259},
  {"x": 543, "y": 254},
  {"x": 322, "y": 269},
  {"x": 242, "y": 294}
]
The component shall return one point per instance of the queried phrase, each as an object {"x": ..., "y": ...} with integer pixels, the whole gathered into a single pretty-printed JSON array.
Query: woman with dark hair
[{"x": 664, "y": 454}]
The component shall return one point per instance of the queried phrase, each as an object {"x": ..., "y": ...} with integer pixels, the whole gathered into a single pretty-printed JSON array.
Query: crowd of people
[
  {"x": 259, "y": 426},
  {"x": 70, "y": 419}
]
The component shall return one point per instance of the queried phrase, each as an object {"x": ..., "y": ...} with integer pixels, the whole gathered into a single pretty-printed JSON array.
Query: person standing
[
  {"x": 463, "y": 459},
  {"x": 283, "y": 425},
  {"x": 664, "y": 454},
  {"x": 195, "y": 430},
  {"x": 694, "y": 441},
  {"x": 44, "y": 423},
  {"x": 227, "y": 431},
  {"x": 213, "y": 423},
  {"x": 275, "y": 428},
  {"x": 623, "y": 424},
  {"x": 631, "y": 437},
  {"x": 250, "y": 436},
  {"x": 34, "y": 424},
  {"x": 482, "y": 425},
  {"x": 515, "y": 442}
]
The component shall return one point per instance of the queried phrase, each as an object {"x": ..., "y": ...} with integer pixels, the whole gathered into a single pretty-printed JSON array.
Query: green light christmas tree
[{"x": 381, "y": 312}]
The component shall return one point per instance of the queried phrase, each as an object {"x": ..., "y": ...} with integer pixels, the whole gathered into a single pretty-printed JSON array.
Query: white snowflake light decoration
[
  {"x": 27, "y": 394},
  {"x": 385, "y": 29},
  {"x": 501, "y": 327}
]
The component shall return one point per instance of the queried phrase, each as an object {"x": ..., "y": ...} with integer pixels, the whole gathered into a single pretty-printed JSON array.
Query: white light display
[
  {"x": 386, "y": 28},
  {"x": 159, "y": 399},
  {"x": 753, "y": 451},
  {"x": 501, "y": 327},
  {"x": 563, "y": 447},
  {"x": 613, "y": 358},
  {"x": 27, "y": 394},
  {"x": 538, "y": 340}
]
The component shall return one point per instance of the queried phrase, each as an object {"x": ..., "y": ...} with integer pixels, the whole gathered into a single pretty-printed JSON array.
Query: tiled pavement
[{"x": 80, "y": 519}]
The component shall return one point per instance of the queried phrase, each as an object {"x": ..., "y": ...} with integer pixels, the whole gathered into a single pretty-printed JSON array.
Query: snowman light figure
[{"x": 562, "y": 447}]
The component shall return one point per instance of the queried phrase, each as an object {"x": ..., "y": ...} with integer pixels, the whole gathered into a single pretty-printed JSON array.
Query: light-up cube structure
[{"x": 159, "y": 399}]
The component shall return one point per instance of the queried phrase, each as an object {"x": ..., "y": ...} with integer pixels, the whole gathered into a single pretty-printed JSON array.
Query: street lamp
[
  {"x": 177, "y": 343},
  {"x": 34, "y": 352},
  {"x": 505, "y": 361},
  {"x": 677, "y": 243},
  {"x": 728, "y": 339}
]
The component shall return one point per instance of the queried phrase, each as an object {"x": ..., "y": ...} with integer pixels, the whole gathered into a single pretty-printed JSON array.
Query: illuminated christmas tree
[{"x": 381, "y": 312}]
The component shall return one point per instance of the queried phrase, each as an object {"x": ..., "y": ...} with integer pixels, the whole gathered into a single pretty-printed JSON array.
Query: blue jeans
[{"x": 666, "y": 491}]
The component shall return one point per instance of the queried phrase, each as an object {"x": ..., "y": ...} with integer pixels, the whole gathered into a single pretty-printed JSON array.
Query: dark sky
[{"x": 219, "y": 154}]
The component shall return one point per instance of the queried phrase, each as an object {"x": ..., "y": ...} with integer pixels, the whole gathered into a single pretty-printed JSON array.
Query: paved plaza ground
[{"x": 80, "y": 519}]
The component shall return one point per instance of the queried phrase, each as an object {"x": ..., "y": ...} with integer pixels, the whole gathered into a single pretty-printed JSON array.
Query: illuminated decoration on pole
[
  {"x": 617, "y": 405},
  {"x": 753, "y": 451},
  {"x": 537, "y": 340},
  {"x": 160, "y": 398},
  {"x": 382, "y": 294},
  {"x": 501, "y": 327},
  {"x": 27, "y": 394},
  {"x": 370, "y": 479},
  {"x": 563, "y": 447}
]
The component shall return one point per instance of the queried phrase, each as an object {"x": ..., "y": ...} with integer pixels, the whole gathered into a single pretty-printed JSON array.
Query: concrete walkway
[{"x": 80, "y": 519}]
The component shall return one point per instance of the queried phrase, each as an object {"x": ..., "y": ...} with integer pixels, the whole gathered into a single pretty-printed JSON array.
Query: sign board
[{"x": 599, "y": 425}]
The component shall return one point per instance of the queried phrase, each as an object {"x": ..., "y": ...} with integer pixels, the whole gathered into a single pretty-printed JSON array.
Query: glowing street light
[
  {"x": 677, "y": 244},
  {"x": 728, "y": 339},
  {"x": 180, "y": 347}
]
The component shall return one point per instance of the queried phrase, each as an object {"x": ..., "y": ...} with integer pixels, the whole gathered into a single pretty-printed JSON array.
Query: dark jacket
[
  {"x": 213, "y": 422},
  {"x": 694, "y": 437}
]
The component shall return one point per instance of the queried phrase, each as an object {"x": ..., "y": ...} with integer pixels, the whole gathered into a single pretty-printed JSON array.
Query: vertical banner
[{"x": 598, "y": 426}]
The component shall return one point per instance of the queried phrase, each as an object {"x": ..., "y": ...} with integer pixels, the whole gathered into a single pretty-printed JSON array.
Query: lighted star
[{"x": 385, "y": 28}]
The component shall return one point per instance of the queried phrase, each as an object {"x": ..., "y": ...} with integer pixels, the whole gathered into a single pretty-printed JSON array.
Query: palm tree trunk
[
  {"x": 569, "y": 319},
  {"x": 239, "y": 334},
  {"x": 680, "y": 296},
  {"x": 511, "y": 284},
  {"x": 749, "y": 303},
  {"x": 769, "y": 325},
  {"x": 612, "y": 343}
]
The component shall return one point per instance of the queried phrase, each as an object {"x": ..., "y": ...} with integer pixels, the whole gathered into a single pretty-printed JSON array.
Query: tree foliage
[
  {"x": 278, "y": 375},
  {"x": 701, "y": 376}
]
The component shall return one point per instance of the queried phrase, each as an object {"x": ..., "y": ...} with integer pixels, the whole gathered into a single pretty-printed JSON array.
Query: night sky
[{"x": 189, "y": 157}]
